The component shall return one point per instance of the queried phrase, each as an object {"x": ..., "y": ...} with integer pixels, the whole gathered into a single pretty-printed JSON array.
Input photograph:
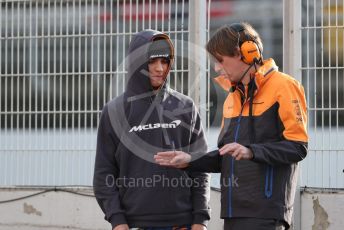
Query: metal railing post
[
  {"x": 292, "y": 53},
  {"x": 197, "y": 81},
  {"x": 292, "y": 38}
]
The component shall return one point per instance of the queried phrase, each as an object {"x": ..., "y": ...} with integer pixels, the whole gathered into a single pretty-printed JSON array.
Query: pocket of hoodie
[
  {"x": 141, "y": 198},
  {"x": 142, "y": 201},
  {"x": 178, "y": 193},
  {"x": 158, "y": 198}
]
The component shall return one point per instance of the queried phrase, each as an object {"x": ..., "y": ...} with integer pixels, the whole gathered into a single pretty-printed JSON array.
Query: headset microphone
[
  {"x": 245, "y": 72},
  {"x": 251, "y": 55},
  {"x": 232, "y": 89}
]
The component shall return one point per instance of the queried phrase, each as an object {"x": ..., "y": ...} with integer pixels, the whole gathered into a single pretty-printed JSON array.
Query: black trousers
[{"x": 254, "y": 224}]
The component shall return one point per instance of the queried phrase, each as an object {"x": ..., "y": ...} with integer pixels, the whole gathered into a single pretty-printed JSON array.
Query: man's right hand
[
  {"x": 176, "y": 159},
  {"x": 121, "y": 227}
]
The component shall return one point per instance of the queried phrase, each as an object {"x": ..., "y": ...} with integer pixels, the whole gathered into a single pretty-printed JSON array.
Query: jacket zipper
[{"x": 231, "y": 177}]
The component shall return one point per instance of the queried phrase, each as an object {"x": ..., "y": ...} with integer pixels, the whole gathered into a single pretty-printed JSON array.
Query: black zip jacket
[
  {"x": 263, "y": 187},
  {"x": 130, "y": 188}
]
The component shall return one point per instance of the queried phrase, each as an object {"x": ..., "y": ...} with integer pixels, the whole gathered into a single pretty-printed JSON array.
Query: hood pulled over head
[{"x": 146, "y": 45}]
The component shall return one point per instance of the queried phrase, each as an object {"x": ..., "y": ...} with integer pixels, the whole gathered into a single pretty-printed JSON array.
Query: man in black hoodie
[{"x": 147, "y": 118}]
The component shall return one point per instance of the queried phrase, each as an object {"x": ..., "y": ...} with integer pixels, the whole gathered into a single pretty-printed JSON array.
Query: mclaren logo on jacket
[{"x": 171, "y": 125}]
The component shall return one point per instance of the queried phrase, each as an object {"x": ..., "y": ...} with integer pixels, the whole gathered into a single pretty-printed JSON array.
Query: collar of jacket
[{"x": 261, "y": 76}]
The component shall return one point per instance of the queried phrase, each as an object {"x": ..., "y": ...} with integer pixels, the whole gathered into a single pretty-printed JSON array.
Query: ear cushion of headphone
[{"x": 250, "y": 52}]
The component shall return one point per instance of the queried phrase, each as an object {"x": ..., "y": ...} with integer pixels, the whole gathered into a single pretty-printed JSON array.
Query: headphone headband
[
  {"x": 237, "y": 27},
  {"x": 249, "y": 49}
]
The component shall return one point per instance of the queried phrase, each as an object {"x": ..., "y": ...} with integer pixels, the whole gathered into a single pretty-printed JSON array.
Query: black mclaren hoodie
[{"x": 130, "y": 188}]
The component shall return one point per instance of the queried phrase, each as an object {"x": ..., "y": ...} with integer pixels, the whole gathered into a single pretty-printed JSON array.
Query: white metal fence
[
  {"x": 315, "y": 55},
  {"x": 60, "y": 62}
]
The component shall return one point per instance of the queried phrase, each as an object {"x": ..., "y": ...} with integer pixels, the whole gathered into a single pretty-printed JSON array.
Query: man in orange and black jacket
[{"x": 263, "y": 135}]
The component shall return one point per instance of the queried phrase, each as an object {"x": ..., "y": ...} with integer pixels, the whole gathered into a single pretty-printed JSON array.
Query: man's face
[
  {"x": 158, "y": 68},
  {"x": 230, "y": 67}
]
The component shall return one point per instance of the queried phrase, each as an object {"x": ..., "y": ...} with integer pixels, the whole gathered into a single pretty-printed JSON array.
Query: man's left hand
[
  {"x": 198, "y": 227},
  {"x": 237, "y": 151}
]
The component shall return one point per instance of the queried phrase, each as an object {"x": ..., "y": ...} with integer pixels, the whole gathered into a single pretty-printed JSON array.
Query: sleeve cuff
[
  {"x": 117, "y": 219},
  {"x": 201, "y": 219},
  {"x": 255, "y": 152}
]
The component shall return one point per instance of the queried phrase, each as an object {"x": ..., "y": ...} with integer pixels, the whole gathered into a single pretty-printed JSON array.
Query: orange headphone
[{"x": 249, "y": 49}]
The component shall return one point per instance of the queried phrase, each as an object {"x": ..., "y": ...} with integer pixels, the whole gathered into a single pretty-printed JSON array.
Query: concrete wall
[
  {"x": 50, "y": 210},
  {"x": 61, "y": 210},
  {"x": 320, "y": 210}
]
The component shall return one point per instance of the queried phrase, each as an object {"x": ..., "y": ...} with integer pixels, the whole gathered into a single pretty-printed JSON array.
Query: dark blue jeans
[{"x": 167, "y": 228}]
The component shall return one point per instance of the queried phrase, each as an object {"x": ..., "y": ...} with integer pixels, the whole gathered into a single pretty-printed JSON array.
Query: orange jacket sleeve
[{"x": 293, "y": 110}]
